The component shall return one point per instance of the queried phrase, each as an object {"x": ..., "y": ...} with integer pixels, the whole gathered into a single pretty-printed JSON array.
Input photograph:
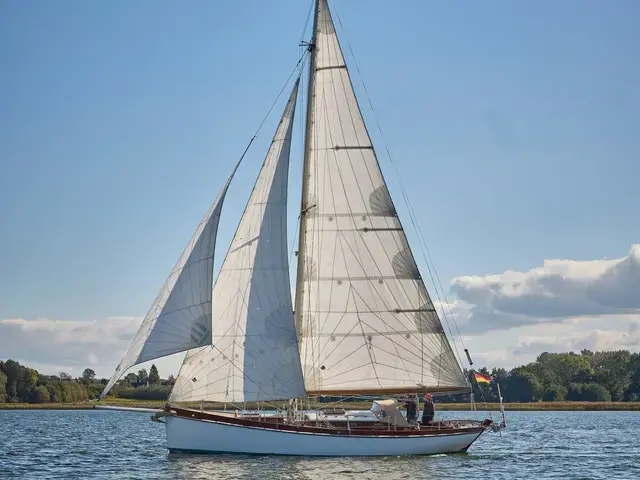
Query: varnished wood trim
[{"x": 272, "y": 424}]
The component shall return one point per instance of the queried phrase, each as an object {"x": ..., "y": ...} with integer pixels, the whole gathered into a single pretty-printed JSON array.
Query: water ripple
[{"x": 121, "y": 445}]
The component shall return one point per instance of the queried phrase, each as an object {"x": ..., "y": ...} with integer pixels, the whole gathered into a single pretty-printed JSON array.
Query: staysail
[
  {"x": 254, "y": 356},
  {"x": 365, "y": 319},
  {"x": 180, "y": 317}
]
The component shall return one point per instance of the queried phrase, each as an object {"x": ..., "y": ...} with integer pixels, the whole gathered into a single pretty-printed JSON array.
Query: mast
[{"x": 304, "y": 206}]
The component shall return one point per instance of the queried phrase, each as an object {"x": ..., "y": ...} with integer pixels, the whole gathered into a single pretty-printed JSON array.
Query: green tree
[
  {"x": 157, "y": 392},
  {"x": 12, "y": 370},
  {"x": 589, "y": 392},
  {"x": 40, "y": 394},
  {"x": 143, "y": 377},
  {"x": 632, "y": 392},
  {"x": 554, "y": 393},
  {"x": 154, "y": 377},
  {"x": 27, "y": 381},
  {"x": 3, "y": 387},
  {"x": 523, "y": 386},
  {"x": 88, "y": 375},
  {"x": 563, "y": 368},
  {"x": 57, "y": 392},
  {"x": 131, "y": 379},
  {"x": 613, "y": 370}
]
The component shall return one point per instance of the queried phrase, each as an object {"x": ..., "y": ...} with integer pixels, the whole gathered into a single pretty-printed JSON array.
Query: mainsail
[
  {"x": 364, "y": 316},
  {"x": 254, "y": 356},
  {"x": 180, "y": 317}
]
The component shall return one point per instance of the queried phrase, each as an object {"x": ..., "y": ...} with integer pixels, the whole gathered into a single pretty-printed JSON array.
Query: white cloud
[
  {"x": 564, "y": 305},
  {"x": 558, "y": 290},
  {"x": 52, "y": 346},
  {"x": 521, "y": 345},
  {"x": 505, "y": 319}
]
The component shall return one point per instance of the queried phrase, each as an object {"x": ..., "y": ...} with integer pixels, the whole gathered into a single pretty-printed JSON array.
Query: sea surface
[{"x": 88, "y": 444}]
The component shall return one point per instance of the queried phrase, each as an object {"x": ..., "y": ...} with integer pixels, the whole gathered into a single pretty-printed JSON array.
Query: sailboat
[{"x": 362, "y": 324}]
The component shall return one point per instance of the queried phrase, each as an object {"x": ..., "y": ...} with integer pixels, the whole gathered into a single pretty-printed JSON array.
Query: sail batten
[
  {"x": 364, "y": 316},
  {"x": 254, "y": 354},
  {"x": 180, "y": 317}
]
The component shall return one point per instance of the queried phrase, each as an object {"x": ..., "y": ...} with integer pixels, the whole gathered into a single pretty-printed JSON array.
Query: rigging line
[
  {"x": 377, "y": 347},
  {"x": 379, "y": 317},
  {"x": 197, "y": 373},
  {"x": 300, "y": 118},
  {"x": 306, "y": 23},
  {"x": 408, "y": 204},
  {"x": 370, "y": 282},
  {"x": 384, "y": 323},
  {"x": 293, "y": 244},
  {"x": 298, "y": 66}
]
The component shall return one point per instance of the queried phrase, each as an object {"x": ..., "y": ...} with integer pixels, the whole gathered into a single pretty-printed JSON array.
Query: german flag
[{"x": 480, "y": 378}]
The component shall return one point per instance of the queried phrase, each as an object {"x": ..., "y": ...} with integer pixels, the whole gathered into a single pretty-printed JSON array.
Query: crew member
[
  {"x": 411, "y": 404},
  {"x": 429, "y": 410}
]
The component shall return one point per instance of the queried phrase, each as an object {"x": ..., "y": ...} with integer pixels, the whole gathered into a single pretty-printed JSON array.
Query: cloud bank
[
  {"x": 505, "y": 320},
  {"x": 563, "y": 305},
  {"x": 71, "y": 346}
]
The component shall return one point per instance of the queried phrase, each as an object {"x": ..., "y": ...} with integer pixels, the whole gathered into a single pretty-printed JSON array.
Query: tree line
[
  {"x": 22, "y": 384},
  {"x": 585, "y": 376}
]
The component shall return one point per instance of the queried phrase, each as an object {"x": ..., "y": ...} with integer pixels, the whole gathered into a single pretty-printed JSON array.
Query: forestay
[
  {"x": 180, "y": 317},
  {"x": 366, "y": 321},
  {"x": 254, "y": 356}
]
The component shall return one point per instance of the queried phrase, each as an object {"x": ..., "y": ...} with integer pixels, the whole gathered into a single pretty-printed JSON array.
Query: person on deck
[
  {"x": 411, "y": 404},
  {"x": 429, "y": 410}
]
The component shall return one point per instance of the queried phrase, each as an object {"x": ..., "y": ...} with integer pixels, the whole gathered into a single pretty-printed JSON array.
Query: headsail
[
  {"x": 180, "y": 317},
  {"x": 254, "y": 356},
  {"x": 366, "y": 321}
]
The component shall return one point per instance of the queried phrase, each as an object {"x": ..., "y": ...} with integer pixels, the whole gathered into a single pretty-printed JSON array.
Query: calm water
[{"x": 121, "y": 445}]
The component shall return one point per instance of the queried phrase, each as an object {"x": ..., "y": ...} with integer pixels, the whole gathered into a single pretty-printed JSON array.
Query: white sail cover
[
  {"x": 366, "y": 321},
  {"x": 254, "y": 356},
  {"x": 180, "y": 317}
]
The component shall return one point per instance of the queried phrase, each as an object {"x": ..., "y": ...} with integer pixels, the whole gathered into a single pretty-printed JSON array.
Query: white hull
[{"x": 202, "y": 436}]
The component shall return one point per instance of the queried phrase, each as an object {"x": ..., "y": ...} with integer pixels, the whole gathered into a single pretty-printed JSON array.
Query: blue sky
[{"x": 514, "y": 126}]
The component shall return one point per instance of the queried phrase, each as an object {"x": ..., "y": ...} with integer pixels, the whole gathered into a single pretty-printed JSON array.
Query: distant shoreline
[{"x": 534, "y": 406}]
